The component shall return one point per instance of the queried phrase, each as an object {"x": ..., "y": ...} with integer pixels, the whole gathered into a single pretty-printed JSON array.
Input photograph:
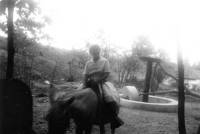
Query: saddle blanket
[{"x": 110, "y": 93}]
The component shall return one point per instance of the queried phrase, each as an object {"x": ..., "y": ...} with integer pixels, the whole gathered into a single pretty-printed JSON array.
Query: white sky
[{"x": 121, "y": 22}]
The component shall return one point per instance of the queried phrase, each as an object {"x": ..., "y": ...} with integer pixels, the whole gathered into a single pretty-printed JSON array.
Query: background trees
[
  {"x": 22, "y": 31},
  {"x": 36, "y": 62}
]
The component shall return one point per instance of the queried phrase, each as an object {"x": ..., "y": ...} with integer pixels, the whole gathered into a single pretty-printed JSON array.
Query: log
[
  {"x": 187, "y": 92},
  {"x": 192, "y": 93}
]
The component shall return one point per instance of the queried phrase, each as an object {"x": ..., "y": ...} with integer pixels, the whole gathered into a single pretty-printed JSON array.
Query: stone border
[{"x": 169, "y": 106}]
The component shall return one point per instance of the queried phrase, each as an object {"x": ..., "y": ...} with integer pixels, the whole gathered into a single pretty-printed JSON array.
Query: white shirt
[{"x": 101, "y": 65}]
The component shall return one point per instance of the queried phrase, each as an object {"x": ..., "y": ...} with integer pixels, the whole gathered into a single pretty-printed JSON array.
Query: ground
[{"x": 136, "y": 121}]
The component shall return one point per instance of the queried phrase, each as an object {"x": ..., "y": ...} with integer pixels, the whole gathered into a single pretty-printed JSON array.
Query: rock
[{"x": 129, "y": 92}]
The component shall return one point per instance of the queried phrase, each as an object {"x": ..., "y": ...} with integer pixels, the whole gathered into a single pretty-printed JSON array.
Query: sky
[{"x": 165, "y": 23}]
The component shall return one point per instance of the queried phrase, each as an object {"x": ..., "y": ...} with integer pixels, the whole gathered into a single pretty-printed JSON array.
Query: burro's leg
[
  {"x": 88, "y": 129},
  {"x": 112, "y": 128},
  {"x": 79, "y": 129},
  {"x": 115, "y": 120},
  {"x": 102, "y": 129}
]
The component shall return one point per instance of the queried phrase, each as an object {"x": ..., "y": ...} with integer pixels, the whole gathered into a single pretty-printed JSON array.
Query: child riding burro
[{"x": 98, "y": 69}]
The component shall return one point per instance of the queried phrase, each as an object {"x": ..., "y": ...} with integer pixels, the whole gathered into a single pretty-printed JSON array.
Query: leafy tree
[
  {"x": 27, "y": 20},
  {"x": 162, "y": 55},
  {"x": 197, "y": 66},
  {"x": 143, "y": 47},
  {"x": 26, "y": 11},
  {"x": 10, "y": 6},
  {"x": 130, "y": 65}
]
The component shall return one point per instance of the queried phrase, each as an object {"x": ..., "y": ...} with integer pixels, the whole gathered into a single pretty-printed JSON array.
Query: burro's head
[{"x": 58, "y": 117}]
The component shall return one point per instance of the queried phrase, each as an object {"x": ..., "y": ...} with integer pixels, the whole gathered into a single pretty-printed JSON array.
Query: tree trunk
[
  {"x": 122, "y": 76},
  {"x": 54, "y": 73},
  {"x": 147, "y": 81},
  {"x": 181, "y": 95},
  {"x": 10, "y": 46}
]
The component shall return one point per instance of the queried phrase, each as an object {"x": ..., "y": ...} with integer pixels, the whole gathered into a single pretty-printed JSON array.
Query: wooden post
[
  {"x": 147, "y": 81},
  {"x": 181, "y": 94},
  {"x": 150, "y": 62}
]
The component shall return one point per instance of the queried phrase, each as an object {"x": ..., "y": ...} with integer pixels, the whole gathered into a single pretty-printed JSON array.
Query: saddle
[{"x": 104, "y": 108}]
